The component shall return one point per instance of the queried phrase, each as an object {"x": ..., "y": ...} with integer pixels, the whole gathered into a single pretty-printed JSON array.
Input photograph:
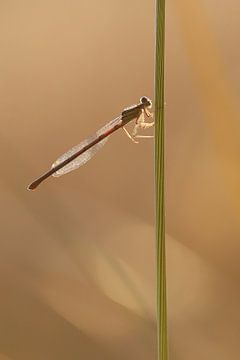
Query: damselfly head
[{"x": 146, "y": 101}]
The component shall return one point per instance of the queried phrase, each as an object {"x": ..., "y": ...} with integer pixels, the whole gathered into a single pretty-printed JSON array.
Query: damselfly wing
[{"x": 87, "y": 155}]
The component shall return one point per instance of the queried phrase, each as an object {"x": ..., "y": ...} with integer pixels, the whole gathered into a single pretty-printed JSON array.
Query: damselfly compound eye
[{"x": 146, "y": 101}]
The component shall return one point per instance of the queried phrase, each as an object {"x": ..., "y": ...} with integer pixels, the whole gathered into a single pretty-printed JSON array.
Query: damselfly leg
[{"x": 140, "y": 124}]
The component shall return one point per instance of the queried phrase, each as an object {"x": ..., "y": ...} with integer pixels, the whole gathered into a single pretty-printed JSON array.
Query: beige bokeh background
[{"x": 78, "y": 255}]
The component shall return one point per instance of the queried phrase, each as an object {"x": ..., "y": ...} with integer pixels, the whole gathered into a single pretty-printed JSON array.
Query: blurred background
[{"x": 77, "y": 267}]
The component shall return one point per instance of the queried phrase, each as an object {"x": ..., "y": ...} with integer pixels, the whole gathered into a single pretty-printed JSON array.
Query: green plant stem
[{"x": 159, "y": 182}]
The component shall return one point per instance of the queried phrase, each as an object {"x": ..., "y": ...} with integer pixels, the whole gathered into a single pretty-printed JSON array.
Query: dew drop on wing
[{"x": 87, "y": 155}]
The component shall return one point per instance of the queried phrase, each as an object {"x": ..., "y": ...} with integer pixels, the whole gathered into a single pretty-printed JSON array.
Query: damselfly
[{"x": 83, "y": 152}]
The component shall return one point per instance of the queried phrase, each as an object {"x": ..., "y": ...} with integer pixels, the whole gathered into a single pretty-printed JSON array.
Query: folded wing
[{"x": 86, "y": 155}]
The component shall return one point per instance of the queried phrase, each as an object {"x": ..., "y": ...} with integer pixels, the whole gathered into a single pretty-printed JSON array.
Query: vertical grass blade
[{"x": 159, "y": 181}]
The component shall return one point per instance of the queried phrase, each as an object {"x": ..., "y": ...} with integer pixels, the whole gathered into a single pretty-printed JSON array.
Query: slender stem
[{"x": 159, "y": 178}]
